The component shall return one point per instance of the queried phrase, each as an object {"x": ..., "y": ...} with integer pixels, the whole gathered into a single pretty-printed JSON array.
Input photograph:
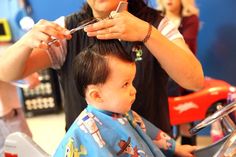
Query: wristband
[{"x": 148, "y": 33}]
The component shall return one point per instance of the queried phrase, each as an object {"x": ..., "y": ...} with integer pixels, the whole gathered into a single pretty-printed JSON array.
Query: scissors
[{"x": 122, "y": 6}]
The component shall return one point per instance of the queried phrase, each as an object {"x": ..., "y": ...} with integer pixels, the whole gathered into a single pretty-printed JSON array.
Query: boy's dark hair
[{"x": 90, "y": 66}]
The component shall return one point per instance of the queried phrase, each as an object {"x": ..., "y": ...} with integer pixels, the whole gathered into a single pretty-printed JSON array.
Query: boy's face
[{"x": 118, "y": 92}]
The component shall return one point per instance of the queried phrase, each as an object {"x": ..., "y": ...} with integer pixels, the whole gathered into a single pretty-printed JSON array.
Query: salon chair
[
  {"x": 20, "y": 145},
  {"x": 226, "y": 147}
]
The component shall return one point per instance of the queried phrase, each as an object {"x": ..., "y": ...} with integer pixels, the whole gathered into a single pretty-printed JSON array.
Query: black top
[{"x": 150, "y": 81}]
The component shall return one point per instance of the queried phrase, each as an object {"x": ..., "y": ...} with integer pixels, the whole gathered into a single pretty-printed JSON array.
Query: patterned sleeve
[
  {"x": 160, "y": 138},
  {"x": 57, "y": 54},
  {"x": 167, "y": 28}
]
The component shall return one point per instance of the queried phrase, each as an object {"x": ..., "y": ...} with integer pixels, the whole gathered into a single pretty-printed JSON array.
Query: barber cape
[{"x": 97, "y": 133}]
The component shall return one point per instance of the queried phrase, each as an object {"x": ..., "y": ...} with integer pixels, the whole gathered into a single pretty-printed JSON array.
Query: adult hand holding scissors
[{"x": 42, "y": 33}]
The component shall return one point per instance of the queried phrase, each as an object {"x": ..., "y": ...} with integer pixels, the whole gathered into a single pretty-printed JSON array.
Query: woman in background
[{"x": 184, "y": 15}]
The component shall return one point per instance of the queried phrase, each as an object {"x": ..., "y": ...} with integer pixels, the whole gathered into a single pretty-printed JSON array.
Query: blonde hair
[{"x": 189, "y": 7}]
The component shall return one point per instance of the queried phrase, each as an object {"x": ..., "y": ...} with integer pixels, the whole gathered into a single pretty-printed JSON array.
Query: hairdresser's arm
[
  {"x": 28, "y": 54},
  {"x": 176, "y": 59}
]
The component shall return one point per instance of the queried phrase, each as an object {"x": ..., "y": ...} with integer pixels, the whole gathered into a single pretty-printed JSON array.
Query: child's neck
[{"x": 110, "y": 113}]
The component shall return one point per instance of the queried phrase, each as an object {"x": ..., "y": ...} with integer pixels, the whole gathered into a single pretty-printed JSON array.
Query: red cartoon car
[{"x": 197, "y": 105}]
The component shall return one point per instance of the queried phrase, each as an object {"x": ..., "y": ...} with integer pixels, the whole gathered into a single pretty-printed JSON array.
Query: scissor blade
[{"x": 82, "y": 26}]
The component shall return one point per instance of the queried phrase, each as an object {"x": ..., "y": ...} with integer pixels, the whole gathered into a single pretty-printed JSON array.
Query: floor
[{"x": 48, "y": 131}]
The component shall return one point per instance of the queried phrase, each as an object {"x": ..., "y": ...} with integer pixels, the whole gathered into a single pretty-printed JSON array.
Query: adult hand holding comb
[{"x": 121, "y": 25}]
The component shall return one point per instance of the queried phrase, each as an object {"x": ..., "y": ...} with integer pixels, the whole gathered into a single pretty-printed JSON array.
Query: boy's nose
[{"x": 133, "y": 91}]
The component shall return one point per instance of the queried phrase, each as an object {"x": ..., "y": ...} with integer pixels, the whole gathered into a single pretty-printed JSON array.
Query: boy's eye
[{"x": 126, "y": 84}]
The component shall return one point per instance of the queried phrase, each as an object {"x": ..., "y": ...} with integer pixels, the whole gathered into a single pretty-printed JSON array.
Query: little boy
[{"x": 104, "y": 75}]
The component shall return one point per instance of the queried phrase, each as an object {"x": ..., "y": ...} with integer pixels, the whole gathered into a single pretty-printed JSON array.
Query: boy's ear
[{"x": 93, "y": 93}]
